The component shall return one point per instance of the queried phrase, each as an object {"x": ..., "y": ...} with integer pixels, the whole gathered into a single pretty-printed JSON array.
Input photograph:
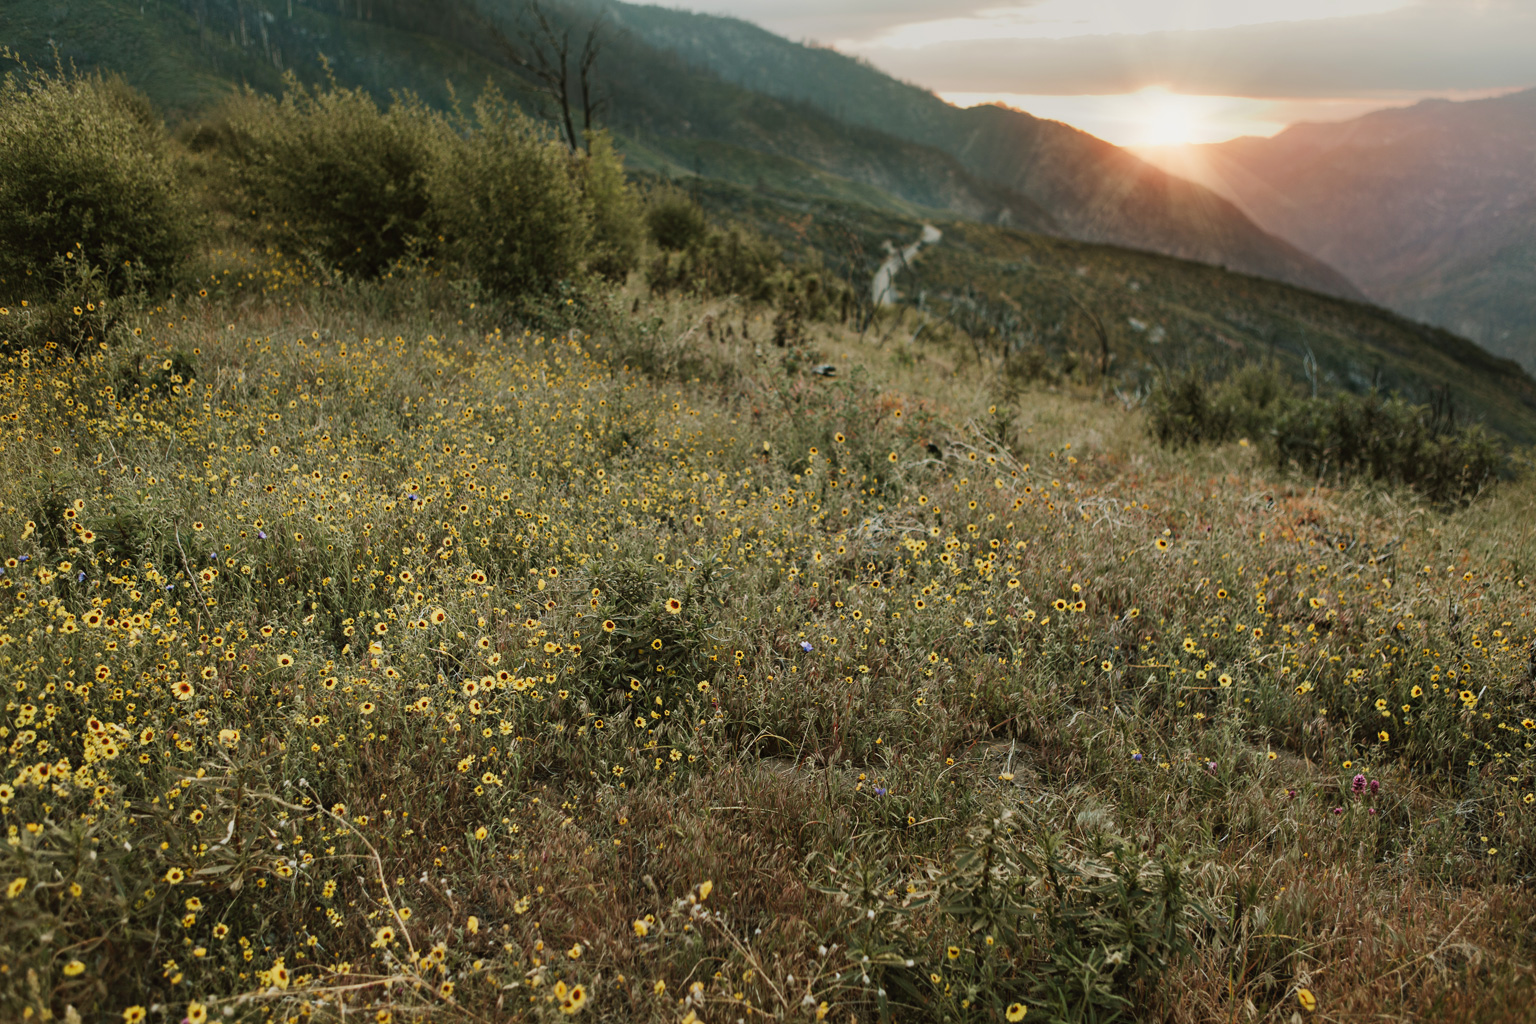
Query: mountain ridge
[
  {"x": 1059, "y": 167},
  {"x": 681, "y": 115},
  {"x": 807, "y": 171},
  {"x": 1431, "y": 208}
]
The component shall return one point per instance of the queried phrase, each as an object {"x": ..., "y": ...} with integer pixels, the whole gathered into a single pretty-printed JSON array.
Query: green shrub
[
  {"x": 618, "y": 226},
  {"x": 86, "y": 168},
  {"x": 731, "y": 262},
  {"x": 77, "y": 313},
  {"x": 1191, "y": 410},
  {"x": 1386, "y": 439},
  {"x": 508, "y": 199},
  {"x": 1340, "y": 437},
  {"x": 334, "y": 175},
  {"x": 1025, "y": 920},
  {"x": 676, "y": 222}
]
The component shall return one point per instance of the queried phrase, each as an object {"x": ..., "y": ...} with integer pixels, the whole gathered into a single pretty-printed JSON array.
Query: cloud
[
  {"x": 829, "y": 20},
  {"x": 1433, "y": 46}
]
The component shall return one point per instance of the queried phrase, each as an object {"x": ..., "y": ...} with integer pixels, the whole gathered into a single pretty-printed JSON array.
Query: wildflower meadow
[{"x": 379, "y": 649}]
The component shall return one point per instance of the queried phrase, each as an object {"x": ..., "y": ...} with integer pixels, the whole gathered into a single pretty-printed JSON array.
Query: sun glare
[
  {"x": 1166, "y": 118},
  {"x": 1153, "y": 116}
]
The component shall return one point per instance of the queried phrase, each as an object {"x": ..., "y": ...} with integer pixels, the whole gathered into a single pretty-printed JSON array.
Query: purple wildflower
[
  {"x": 1358, "y": 786},
  {"x": 805, "y": 645}
]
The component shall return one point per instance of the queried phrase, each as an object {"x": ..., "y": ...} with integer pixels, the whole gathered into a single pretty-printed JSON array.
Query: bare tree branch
[
  {"x": 545, "y": 54},
  {"x": 590, "y": 48}
]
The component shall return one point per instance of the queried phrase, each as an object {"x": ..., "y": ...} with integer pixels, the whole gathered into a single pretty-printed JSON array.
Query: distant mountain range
[
  {"x": 1092, "y": 190},
  {"x": 689, "y": 94},
  {"x": 814, "y": 147},
  {"x": 1430, "y": 209}
]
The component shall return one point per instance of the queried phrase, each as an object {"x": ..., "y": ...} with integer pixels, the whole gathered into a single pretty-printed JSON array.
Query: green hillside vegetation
[
  {"x": 613, "y": 615},
  {"x": 1091, "y": 189},
  {"x": 678, "y": 112},
  {"x": 1032, "y": 305},
  {"x": 1163, "y": 315}
]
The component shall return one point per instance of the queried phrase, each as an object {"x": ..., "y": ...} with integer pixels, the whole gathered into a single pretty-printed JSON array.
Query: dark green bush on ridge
[
  {"x": 1191, "y": 410},
  {"x": 335, "y": 176},
  {"x": 618, "y": 225},
  {"x": 86, "y": 168},
  {"x": 1338, "y": 438},
  {"x": 729, "y": 262}
]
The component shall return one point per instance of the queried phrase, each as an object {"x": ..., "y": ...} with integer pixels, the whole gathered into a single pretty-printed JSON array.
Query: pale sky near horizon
[{"x": 1157, "y": 72}]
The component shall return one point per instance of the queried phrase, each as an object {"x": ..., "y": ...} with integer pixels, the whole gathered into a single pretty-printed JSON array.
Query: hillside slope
[
  {"x": 1096, "y": 191},
  {"x": 857, "y": 183},
  {"x": 1031, "y": 296},
  {"x": 1430, "y": 209},
  {"x": 669, "y": 115},
  {"x": 684, "y": 102}
]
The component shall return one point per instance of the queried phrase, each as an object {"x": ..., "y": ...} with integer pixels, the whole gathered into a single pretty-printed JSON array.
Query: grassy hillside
[
  {"x": 789, "y": 160},
  {"x": 1036, "y": 300},
  {"x": 604, "y": 615},
  {"x": 1166, "y": 315},
  {"x": 368, "y": 650}
]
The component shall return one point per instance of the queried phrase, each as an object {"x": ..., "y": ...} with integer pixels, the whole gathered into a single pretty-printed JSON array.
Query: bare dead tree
[
  {"x": 591, "y": 105},
  {"x": 546, "y": 54},
  {"x": 1098, "y": 329}
]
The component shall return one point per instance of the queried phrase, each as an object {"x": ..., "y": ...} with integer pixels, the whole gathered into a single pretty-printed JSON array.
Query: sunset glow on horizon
[
  {"x": 1157, "y": 75},
  {"x": 1153, "y": 116}
]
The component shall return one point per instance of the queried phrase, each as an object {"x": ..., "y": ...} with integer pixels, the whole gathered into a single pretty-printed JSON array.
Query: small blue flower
[
  {"x": 881, "y": 791},
  {"x": 80, "y": 578},
  {"x": 805, "y": 645},
  {"x": 261, "y": 534},
  {"x": 1136, "y": 756}
]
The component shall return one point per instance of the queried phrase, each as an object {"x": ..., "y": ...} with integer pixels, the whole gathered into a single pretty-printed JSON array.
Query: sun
[{"x": 1166, "y": 118}]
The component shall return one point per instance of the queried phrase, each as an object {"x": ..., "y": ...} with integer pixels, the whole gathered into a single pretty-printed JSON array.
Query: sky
[{"x": 1165, "y": 72}]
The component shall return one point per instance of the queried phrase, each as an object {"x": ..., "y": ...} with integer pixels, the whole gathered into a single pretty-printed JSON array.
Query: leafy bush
[
  {"x": 1029, "y": 928},
  {"x": 337, "y": 176},
  {"x": 730, "y": 262},
  {"x": 85, "y": 167},
  {"x": 509, "y": 201},
  {"x": 1340, "y": 437},
  {"x": 618, "y": 227},
  {"x": 1190, "y": 410},
  {"x": 1390, "y": 440},
  {"x": 676, "y": 222},
  {"x": 76, "y": 314},
  {"x": 363, "y": 187}
]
